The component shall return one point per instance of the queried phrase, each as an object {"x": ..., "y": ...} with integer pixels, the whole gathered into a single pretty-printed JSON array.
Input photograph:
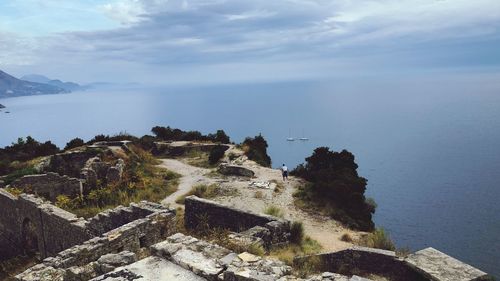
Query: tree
[
  {"x": 76, "y": 142},
  {"x": 335, "y": 179},
  {"x": 256, "y": 150}
]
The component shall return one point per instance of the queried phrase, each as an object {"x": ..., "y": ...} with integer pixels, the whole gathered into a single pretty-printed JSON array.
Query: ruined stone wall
[
  {"x": 200, "y": 211},
  {"x": 49, "y": 185},
  {"x": 113, "y": 218},
  {"x": 54, "y": 228},
  {"x": 68, "y": 163},
  {"x": 131, "y": 237},
  {"x": 9, "y": 226},
  {"x": 364, "y": 260}
]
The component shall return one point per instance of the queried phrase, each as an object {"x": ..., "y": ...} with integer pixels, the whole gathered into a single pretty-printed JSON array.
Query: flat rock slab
[
  {"x": 441, "y": 267},
  {"x": 150, "y": 269}
]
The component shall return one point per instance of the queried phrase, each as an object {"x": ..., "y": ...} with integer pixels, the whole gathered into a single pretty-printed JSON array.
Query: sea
[{"x": 429, "y": 145}]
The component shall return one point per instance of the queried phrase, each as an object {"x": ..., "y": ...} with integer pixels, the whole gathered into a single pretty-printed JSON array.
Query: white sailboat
[
  {"x": 303, "y": 138},
  {"x": 290, "y": 136}
]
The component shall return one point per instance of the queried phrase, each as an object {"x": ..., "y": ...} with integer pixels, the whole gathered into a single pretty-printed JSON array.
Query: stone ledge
[{"x": 438, "y": 266}]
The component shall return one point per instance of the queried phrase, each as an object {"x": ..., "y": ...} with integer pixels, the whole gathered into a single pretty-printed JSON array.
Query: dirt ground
[{"x": 323, "y": 229}]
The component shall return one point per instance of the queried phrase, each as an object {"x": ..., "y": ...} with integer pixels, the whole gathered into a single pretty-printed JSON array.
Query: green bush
[
  {"x": 202, "y": 191},
  {"x": 76, "y": 142},
  {"x": 297, "y": 232},
  {"x": 335, "y": 183},
  {"x": 216, "y": 154},
  {"x": 19, "y": 174},
  {"x": 379, "y": 239},
  {"x": 171, "y": 134},
  {"x": 256, "y": 150},
  {"x": 24, "y": 150},
  {"x": 274, "y": 211}
]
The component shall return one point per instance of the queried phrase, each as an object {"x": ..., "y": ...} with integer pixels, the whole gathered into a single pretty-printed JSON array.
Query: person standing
[{"x": 284, "y": 172}]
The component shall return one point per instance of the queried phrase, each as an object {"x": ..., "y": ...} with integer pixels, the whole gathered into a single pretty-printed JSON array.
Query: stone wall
[
  {"x": 68, "y": 163},
  {"x": 426, "y": 265},
  {"x": 49, "y": 185},
  {"x": 113, "y": 218},
  {"x": 83, "y": 262},
  {"x": 53, "y": 229},
  {"x": 200, "y": 211}
]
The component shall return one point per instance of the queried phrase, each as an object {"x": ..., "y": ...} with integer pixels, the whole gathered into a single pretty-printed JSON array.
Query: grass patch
[
  {"x": 142, "y": 180},
  {"x": 346, "y": 238},
  {"x": 274, "y": 211},
  {"x": 10, "y": 178},
  {"x": 307, "y": 246},
  {"x": 309, "y": 201},
  {"x": 198, "y": 158},
  {"x": 205, "y": 191},
  {"x": 378, "y": 239},
  {"x": 280, "y": 186},
  {"x": 259, "y": 194}
]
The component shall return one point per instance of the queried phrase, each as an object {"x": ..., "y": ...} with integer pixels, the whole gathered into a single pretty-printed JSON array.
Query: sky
[{"x": 217, "y": 41}]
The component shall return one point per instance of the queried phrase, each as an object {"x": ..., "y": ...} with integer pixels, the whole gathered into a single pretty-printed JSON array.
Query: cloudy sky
[{"x": 212, "y": 41}]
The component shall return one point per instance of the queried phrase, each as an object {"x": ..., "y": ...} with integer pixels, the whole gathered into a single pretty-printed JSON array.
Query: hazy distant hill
[
  {"x": 70, "y": 86},
  {"x": 10, "y": 86}
]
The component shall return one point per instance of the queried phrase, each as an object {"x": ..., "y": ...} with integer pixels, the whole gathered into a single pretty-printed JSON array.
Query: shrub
[
  {"x": 274, "y": 211},
  {"x": 19, "y": 174},
  {"x": 76, "y": 142},
  {"x": 63, "y": 201},
  {"x": 256, "y": 150},
  {"x": 216, "y": 154},
  {"x": 297, "y": 232},
  {"x": 171, "y": 134},
  {"x": 24, "y": 150},
  {"x": 259, "y": 194},
  {"x": 346, "y": 238},
  {"x": 336, "y": 184},
  {"x": 202, "y": 191},
  {"x": 379, "y": 239},
  {"x": 403, "y": 252}
]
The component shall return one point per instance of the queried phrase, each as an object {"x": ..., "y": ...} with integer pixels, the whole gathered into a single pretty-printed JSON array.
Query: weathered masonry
[
  {"x": 268, "y": 230},
  {"x": 119, "y": 246},
  {"x": 425, "y": 265},
  {"x": 28, "y": 224}
]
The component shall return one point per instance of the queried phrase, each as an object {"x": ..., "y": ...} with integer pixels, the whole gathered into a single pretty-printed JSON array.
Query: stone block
[
  {"x": 438, "y": 266},
  {"x": 234, "y": 170}
]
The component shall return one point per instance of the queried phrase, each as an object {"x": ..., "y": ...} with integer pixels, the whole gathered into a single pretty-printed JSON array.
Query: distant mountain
[
  {"x": 10, "y": 86},
  {"x": 2, "y": 106},
  {"x": 35, "y": 78},
  {"x": 70, "y": 86}
]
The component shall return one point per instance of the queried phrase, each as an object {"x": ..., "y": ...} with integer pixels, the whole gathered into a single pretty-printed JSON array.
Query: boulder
[{"x": 234, "y": 170}]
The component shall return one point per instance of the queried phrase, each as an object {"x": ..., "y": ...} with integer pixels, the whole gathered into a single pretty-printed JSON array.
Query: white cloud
[{"x": 300, "y": 36}]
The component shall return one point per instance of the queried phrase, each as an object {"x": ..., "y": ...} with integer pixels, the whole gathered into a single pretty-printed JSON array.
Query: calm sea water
[{"x": 430, "y": 148}]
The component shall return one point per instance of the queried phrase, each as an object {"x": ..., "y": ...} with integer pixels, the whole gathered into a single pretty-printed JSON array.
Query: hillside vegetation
[{"x": 335, "y": 188}]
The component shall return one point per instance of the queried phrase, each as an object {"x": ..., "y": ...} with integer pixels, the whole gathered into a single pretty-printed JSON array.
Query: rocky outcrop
[
  {"x": 234, "y": 170},
  {"x": 217, "y": 263}
]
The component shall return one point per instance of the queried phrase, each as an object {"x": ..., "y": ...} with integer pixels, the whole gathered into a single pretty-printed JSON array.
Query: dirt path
[
  {"x": 190, "y": 176},
  {"x": 323, "y": 229}
]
